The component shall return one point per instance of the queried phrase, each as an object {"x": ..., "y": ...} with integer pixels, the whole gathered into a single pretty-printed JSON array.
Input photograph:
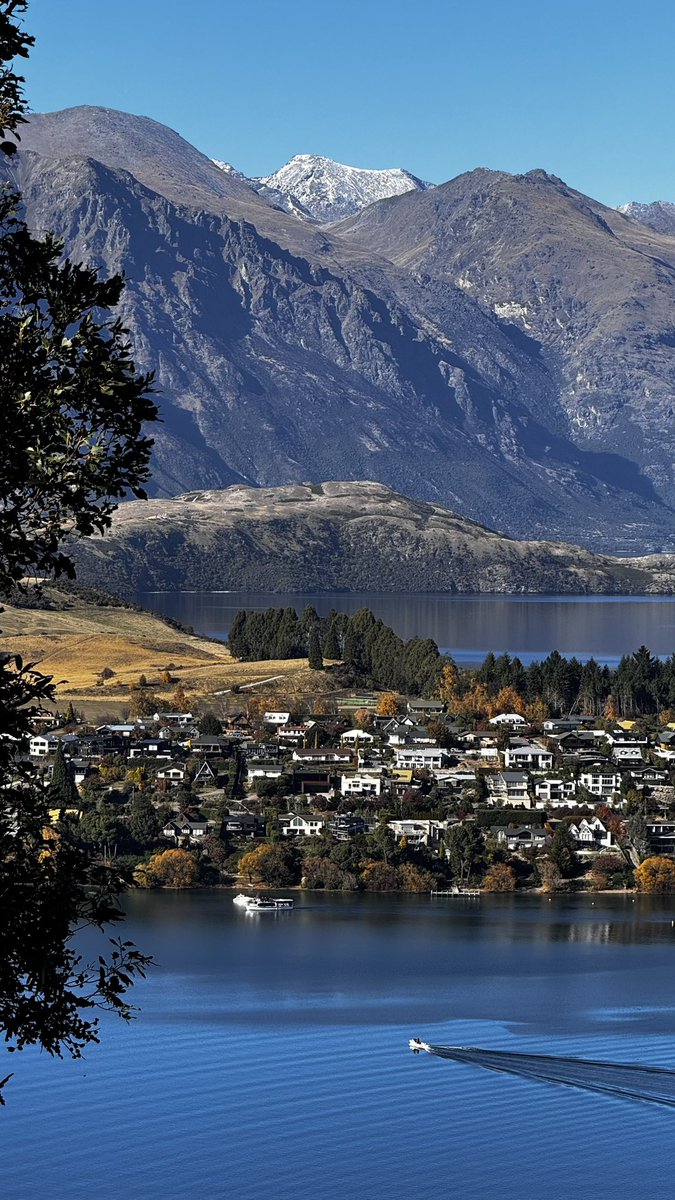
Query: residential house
[
  {"x": 357, "y": 737},
  {"x": 191, "y": 825},
  {"x": 296, "y": 825},
  {"x": 509, "y": 788},
  {"x": 425, "y": 708},
  {"x": 514, "y": 720},
  {"x": 322, "y": 754},
  {"x": 419, "y": 757},
  {"x": 43, "y": 744},
  {"x": 361, "y": 783},
  {"x": 522, "y": 837},
  {"x": 345, "y": 826},
  {"x": 661, "y": 834},
  {"x": 276, "y": 718},
  {"x": 173, "y": 773},
  {"x": 419, "y": 832},
  {"x": 603, "y": 782},
  {"x": 554, "y": 792},
  {"x": 590, "y": 833},
  {"x": 531, "y": 756}
]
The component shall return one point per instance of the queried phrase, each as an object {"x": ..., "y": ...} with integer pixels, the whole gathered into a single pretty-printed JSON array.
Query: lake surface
[
  {"x": 468, "y": 627},
  {"x": 270, "y": 1058}
]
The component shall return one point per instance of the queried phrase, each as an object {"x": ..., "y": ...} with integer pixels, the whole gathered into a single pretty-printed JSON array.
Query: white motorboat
[{"x": 267, "y": 904}]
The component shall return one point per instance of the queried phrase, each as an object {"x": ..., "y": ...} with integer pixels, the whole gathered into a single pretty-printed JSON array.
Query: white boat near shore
[
  {"x": 242, "y": 900},
  {"x": 267, "y": 904}
]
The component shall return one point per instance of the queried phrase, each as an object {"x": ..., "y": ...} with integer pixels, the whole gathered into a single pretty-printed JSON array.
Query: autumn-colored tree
[
  {"x": 500, "y": 878},
  {"x": 363, "y": 718},
  {"x": 380, "y": 877},
  {"x": 173, "y": 869},
  {"x": 611, "y": 712},
  {"x": 269, "y": 864},
  {"x": 142, "y": 703},
  {"x": 538, "y": 711},
  {"x": 448, "y": 687},
  {"x": 656, "y": 874},
  {"x": 415, "y": 879},
  {"x": 476, "y": 703},
  {"x": 388, "y": 705},
  {"x": 179, "y": 699},
  {"x": 551, "y": 879},
  {"x": 507, "y": 700},
  {"x": 166, "y": 677},
  {"x": 667, "y": 716}
]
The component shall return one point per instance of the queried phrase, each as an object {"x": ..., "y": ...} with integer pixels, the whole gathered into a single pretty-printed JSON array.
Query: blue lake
[
  {"x": 270, "y": 1060},
  {"x": 468, "y": 627}
]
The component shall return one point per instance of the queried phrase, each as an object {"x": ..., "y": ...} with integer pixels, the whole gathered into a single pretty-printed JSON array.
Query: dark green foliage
[
  {"x": 144, "y": 822},
  {"x": 210, "y": 725},
  {"x": 62, "y": 789},
  {"x": 465, "y": 847},
  {"x": 331, "y": 646},
  {"x": 562, "y": 851},
  {"x": 314, "y": 655},
  {"x": 72, "y": 410}
]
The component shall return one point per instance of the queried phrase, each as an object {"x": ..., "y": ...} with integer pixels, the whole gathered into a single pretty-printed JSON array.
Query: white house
[
  {"x": 352, "y": 737},
  {"x": 627, "y": 752},
  {"x": 601, "y": 782},
  {"x": 292, "y": 825},
  {"x": 431, "y": 757},
  {"x": 530, "y": 756},
  {"x": 419, "y": 832},
  {"x": 361, "y": 784},
  {"x": 41, "y": 745},
  {"x": 173, "y": 773},
  {"x": 513, "y": 719},
  {"x": 276, "y": 718},
  {"x": 554, "y": 792},
  {"x": 509, "y": 787},
  {"x": 591, "y": 833}
]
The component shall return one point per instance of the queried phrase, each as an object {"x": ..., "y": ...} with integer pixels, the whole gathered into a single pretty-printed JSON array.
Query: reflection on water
[
  {"x": 467, "y": 626},
  {"x": 270, "y": 1059}
]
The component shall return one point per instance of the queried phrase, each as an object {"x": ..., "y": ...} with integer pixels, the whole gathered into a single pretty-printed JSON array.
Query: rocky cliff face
[
  {"x": 501, "y": 345},
  {"x": 332, "y": 536},
  {"x": 593, "y": 290}
]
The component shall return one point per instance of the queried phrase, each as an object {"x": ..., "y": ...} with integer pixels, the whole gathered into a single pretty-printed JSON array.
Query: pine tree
[
  {"x": 331, "y": 646},
  {"x": 314, "y": 650},
  {"x": 62, "y": 790}
]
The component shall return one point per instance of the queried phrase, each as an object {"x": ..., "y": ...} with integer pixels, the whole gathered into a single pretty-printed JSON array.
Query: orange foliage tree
[
  {"x": 656, "y": 874},
  {"x": 172, "y": 869},
  {"x": 500, "y": 878},
  {"x": 508, "y": 700},
  {"x": 448, "y": 687},
  {"x": 388, "y": 705}
]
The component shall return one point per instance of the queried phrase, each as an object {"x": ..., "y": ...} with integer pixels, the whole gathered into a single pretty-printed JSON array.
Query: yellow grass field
[{"x": 76, "y": 643}]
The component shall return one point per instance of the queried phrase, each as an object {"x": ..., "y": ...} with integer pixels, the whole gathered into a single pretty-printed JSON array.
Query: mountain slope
[
  {"x": 285, "y": 350},
  {"x": 331, "y": 536},
  {"x": 595, "y": 290},
  {"x": 659, "y": 215}
]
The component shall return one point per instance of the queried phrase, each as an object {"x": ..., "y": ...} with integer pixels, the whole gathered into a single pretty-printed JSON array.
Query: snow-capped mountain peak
[
  {"x": 659, "y": 215},
  {"x": 329, "y": 190},
  {"x": 317, "y": 189}
]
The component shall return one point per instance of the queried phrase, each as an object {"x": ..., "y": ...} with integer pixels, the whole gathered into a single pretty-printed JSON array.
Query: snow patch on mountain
[{"x": 660, "y": 215}]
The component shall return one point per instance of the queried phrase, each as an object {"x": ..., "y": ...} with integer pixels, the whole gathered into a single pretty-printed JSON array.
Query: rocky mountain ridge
[
  {"x": 659, "y": 215},
  {"x": 340, "y": 535},
  {"x": 500, "y": 344}
]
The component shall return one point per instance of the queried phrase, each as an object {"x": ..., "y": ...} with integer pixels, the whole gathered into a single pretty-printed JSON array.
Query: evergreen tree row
[
  {"x": 640, "y": 685},
  {"x": 365, "y": 644}
]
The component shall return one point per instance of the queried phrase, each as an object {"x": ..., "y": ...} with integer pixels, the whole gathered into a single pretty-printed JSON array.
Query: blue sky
[{"x": 584, "y": 89}]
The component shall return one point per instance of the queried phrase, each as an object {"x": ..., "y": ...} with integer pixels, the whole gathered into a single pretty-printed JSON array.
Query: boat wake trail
[{"x": 655, "y": 1085}]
